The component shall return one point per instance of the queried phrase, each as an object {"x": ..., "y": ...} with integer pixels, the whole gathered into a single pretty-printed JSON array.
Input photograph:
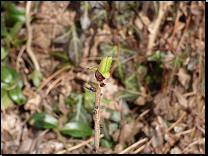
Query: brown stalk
[{"x": 97, "y": 116}]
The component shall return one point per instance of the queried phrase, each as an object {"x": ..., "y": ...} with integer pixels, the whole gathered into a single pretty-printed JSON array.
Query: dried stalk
[{"x": 97, "y": 116}]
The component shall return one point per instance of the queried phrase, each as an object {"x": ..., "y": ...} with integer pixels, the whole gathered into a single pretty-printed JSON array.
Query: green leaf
[
  {"x": 4, "y": 32},
  {"x": 132, "y": 82},
  {"x": 4, "y": 52},
  {"x": 94, "y": 68},
  {"x": 194, "y": 61},
  {"x": 16, "y": 95},
  {"x": 14, "y": 14},
  {"x": 104, "y": 66},
  {"x": 3, "y": 4},
  {"x": 36, "y": 77},
  {"x": 13, "y": 9},
  {"x": 89, "y": 99},
  {"x": 43, "y": 120},
  {"x": 15, "y": 29},
  {"x": 80, "y": 113},
  {"x": 59, "y": 54},
  {"x": 106, "y": 143},
  {"x": 6, "y": 75},
  {"x": 5, "y": 99},
  {"x": 115, "y": 115},
  {"x": 77, "y": 129},
  {"x": 9, "y": 75}
]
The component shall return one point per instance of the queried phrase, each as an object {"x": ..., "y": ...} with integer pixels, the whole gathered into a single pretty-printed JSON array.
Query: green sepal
[{"x": 94, "y": 68}]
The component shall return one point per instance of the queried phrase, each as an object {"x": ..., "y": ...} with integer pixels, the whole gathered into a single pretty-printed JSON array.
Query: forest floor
[{"x": 154, "y": 101}]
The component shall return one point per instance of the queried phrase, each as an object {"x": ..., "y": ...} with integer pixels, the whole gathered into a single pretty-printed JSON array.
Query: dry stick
[
  {"x": 19, "y": 56},
  {"x": 62, "y": 139},
  {"x": 29, "y": 37},
  {"x": 134, "y": 145},
  {"x": 79, "y": 145},
  {"x": 179, "y": 120},
  {"x": 163, "y": 8},
  {"x": 51, "y": 77},
  {"x": 35, "y": 140},
  {"x": 182, "y": 38},
  {"x": 174, "y": 29},
  {"x": 97, "y": 116},
  {"x": 59, "y": 79},
  {"x": 200, "y": 141},
  {"x": 55, "y": 82},
  {"x": 139, "y": 149}
]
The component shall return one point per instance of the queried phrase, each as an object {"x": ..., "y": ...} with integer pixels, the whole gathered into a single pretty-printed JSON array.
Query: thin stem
[
  {"x": 62, "y": 139},
  {"x": 97, "y": 116}
]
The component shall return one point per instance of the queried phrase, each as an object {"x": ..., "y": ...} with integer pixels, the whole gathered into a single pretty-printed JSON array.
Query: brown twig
[
  {"x": 19, "y": 56},
  {"x": 97, "y": 116},
  {"x": 79, "y": 145},
  {"x": 152, "y": 36},
  {"x": 51, "y": 77},
  {"x": 179, "y": 120},
  {"x": 59, "y": 79},
  {"x": 182, "y": 38},
  {"x": 35, "y": 140},
  {"x": 174, "y": 29},
  {"x": 134, "y": 145}
]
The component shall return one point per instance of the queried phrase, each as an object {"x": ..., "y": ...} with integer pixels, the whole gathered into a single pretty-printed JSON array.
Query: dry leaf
[
  {"x": 33, "y": 101},
  {"x": 162, "y": 107},
  {"x": 104, "y": 114},
  {"x": 140, "y": 101},
  {"x": 109, "y": 90},
  {"x": 175, "y": 150},
  {"x": 129, "y": 129},
  {"x": 184, "y": 78},
  {"x": 62, "y": 106},
  {"x": 181, "y": 99}
]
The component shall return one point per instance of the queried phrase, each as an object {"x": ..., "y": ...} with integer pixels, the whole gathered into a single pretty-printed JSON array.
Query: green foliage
[
  {"x": 14, "y": 18},
  {"x": 89, "y": 99},
  {"x": 106, "y": 143},
  {"x": 15, "y": 14},
  {"x": 11, "y": 85},
  {"x": 36, "y": 77},
  {"x": 80, "y": 113},
  {"x": 5, "y": 99},
  {"x": 43, "y": 120},
  {"x": 115, "y": 116},
  {"x": 132, "y": 82},
  {"x": 75, "y": 47},
  {"x": 104, "y": 66},
  {"x": 77, "y": 129}
]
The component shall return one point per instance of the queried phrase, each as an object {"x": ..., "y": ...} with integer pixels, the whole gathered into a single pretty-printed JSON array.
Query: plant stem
[
  {"x": 62, "y": 139},
  {"x": 97, "y": 116}
]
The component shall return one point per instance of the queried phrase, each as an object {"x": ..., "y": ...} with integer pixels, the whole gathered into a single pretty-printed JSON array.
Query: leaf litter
[{"x": 172, "y": 120}]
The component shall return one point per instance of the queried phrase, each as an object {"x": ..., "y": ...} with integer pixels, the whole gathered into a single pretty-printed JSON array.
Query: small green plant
[
  {"x": 101, "y": 74},
  {"x": 73, "y": 128},
  {"x": 11, "y": 85}
]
